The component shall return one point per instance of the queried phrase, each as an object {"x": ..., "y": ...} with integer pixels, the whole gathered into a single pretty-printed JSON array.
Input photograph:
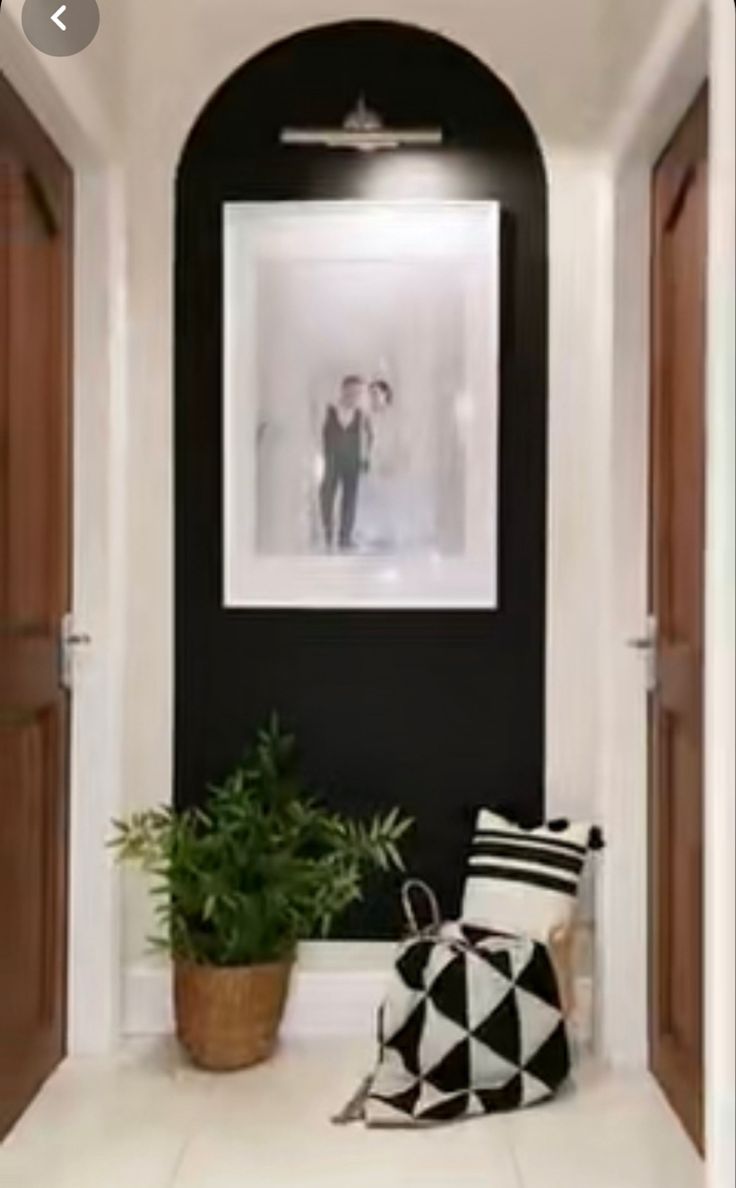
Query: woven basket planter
[{"x": 229, "y": 1018}]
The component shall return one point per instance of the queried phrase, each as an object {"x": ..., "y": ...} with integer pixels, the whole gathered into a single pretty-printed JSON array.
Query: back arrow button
[{"x": 60, "y": 27}]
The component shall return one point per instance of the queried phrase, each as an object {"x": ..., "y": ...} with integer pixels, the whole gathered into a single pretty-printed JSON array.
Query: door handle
[
  {"x": 78, "y": 639},
  {"x": 641, "y": 643},
  {"x": 647, "y": 645},
  {"x": 69, "y": 643}
]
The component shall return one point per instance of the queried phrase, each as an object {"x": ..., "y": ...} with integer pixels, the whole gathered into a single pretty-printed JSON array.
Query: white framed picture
[{"x": 361, "y": 375}]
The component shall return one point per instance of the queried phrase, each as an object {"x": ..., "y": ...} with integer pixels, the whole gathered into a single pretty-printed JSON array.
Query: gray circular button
[{"x": 60, "y": 27}]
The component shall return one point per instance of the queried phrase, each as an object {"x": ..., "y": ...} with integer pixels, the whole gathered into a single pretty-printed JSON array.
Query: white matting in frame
[{"x": 361, "y": 404}]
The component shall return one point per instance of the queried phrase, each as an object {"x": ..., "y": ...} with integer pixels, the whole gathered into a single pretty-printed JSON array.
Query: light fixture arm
[{"x": 363, "y": 130}]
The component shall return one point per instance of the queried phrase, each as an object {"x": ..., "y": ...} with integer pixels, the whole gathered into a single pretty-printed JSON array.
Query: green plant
[{"x": 260, "y": 866}]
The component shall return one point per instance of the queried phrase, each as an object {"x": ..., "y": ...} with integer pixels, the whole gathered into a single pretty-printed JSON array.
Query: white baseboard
[
  {"x": 147, "y": 1007},
  {"x": 336, "y": 991}
]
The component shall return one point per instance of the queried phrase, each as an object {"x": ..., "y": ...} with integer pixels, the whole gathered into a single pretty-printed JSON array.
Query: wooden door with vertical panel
[
  {"x": 35, "y": 336},
  {"x": 680, "y": 200}
]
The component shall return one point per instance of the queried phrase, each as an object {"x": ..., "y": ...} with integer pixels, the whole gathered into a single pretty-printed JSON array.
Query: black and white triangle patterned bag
[{"x": 471, "y": 1025}]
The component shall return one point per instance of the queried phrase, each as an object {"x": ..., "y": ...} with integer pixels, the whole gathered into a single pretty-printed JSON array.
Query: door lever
[
  {"x": 69, "y": 642},
  {"x": 647, "y": 646}
]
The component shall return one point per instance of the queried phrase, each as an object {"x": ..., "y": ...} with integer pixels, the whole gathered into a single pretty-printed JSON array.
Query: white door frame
[
  {"x": 663, "y": 89},
  {"x": 61, "y": 101}
]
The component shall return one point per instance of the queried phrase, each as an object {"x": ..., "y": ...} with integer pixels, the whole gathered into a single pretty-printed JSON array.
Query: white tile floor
[{"x": 147, "y": 1120}]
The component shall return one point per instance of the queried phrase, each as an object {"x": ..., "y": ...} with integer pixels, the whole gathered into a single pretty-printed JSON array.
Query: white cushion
[{"x": 524, "y": 881}]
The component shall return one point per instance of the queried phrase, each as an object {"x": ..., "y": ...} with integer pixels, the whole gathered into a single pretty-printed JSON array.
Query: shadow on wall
[{"x": 438, "y": 711}]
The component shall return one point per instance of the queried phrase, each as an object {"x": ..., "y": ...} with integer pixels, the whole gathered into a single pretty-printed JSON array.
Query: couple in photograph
[{"x": 358, "y": 492}]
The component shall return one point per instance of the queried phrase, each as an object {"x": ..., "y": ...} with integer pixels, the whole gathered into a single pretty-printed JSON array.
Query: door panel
[
  {"x": 677, "y": 576},
  {"x": 35, "y": 335}
]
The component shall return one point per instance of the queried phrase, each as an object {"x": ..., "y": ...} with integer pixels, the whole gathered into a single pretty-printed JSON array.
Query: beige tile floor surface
[{"x": 146, "y": 1119}]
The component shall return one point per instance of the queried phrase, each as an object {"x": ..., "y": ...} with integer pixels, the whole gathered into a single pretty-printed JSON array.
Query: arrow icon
[{"x": 56, "y": 18}]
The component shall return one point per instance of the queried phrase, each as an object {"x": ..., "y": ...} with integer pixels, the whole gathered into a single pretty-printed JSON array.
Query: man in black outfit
[{"x": 344, "y": 433}]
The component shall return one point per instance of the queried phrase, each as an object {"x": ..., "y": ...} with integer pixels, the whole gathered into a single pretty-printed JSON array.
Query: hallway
[{"x": 348, "y": 380}]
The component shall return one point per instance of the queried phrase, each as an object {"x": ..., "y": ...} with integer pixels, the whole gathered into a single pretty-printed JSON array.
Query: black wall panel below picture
[{"x": 437, "y": 711}]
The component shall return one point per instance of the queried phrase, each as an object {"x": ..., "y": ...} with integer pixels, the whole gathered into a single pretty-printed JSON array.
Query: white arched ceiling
[{"x": 567, "y": 61}]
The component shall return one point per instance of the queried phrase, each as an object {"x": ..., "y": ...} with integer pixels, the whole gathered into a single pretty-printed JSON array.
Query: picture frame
[{"x": 361, "y": 402}]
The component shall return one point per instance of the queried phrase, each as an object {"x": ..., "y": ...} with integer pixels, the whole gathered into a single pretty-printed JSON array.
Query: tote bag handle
[{"x": 411, "y": 886}]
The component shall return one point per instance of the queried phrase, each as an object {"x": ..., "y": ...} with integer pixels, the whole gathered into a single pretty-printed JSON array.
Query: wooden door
[
  {"x": 677, "y": 576},
  {"x": 35, "y": 335}
]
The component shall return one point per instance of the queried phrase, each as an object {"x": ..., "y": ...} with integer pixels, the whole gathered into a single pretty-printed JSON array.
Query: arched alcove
[{"x": 436, "y": 711}]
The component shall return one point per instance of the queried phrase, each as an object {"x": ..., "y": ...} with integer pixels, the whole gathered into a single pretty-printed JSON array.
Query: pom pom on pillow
[{"x": 526, "y": 881}]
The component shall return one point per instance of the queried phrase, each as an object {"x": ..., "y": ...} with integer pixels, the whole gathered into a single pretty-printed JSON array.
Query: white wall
[
  {"x": 579, "y": 306},
  {"x": 720, "y": 830}
]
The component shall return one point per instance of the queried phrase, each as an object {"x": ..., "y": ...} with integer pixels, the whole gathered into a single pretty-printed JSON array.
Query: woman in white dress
[{"x": 378, "y": 526}]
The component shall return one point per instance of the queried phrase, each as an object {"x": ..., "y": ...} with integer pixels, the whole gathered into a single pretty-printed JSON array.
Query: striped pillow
[{"x": 525, "y": 881}]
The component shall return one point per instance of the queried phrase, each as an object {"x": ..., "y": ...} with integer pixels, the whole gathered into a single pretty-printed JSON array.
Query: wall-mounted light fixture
[{"x": 363, "y": 130}]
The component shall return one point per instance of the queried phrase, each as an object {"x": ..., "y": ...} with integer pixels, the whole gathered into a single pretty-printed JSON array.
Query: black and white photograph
[{"x": 361, "y": 404}]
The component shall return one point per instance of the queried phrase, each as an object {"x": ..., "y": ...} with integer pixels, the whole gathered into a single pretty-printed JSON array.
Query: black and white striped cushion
[{"x": 524, "y": 881}]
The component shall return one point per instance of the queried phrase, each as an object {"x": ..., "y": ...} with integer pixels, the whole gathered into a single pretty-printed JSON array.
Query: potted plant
[{"x": 238, "y": 883}]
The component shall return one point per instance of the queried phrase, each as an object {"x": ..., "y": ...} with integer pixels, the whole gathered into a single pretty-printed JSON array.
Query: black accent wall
[{"x": 435, "y": 711}]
